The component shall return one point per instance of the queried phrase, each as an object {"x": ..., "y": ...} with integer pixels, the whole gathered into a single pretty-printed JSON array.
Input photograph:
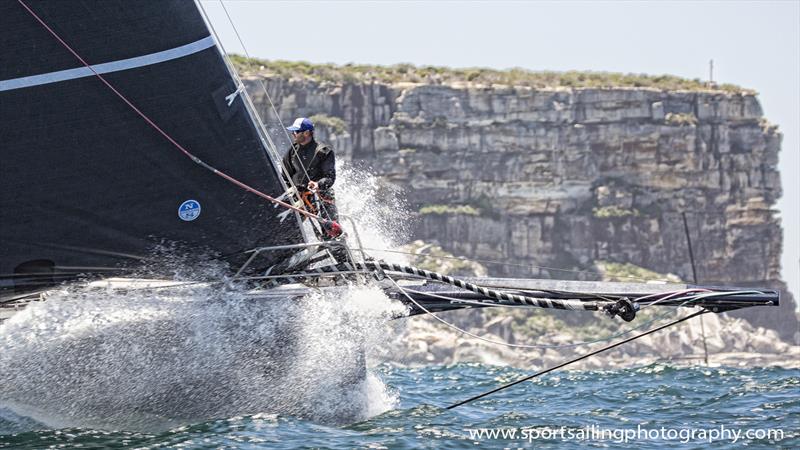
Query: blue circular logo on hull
[{"x": 189, "y": 210}]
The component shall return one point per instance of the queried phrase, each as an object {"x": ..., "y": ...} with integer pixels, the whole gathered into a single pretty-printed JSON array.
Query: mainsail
[{"x": 89, "y": 187}]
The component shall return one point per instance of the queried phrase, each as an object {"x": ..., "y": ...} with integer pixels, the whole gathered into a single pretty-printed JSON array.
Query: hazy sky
[{"x": 753, "y": 44}]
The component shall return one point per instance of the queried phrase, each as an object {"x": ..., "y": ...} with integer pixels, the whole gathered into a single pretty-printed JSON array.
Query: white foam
[
  {"x": 379, "y": 213},
  {"x": 159, "y": 359}
]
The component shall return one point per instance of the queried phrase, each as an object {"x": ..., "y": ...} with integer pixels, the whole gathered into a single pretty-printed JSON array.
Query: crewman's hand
[{"x": 313, "y": 186}]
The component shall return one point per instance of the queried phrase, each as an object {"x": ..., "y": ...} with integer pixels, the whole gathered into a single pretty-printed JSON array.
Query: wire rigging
[
  {"x": 270, "y": 144},
  {"x": 283, "y": 129}
]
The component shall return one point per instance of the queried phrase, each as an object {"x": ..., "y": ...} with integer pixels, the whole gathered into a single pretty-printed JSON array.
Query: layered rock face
[
  {"x": 556, "y": 180},
  {"x": 730, "y": 342}
]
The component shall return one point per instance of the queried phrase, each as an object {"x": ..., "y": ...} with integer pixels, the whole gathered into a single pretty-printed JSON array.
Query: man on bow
[{"x": 312, "y": 169}]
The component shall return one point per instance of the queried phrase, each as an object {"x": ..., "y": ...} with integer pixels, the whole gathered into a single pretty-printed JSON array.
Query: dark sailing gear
[
  {"x": 313, "y": 162},
  {"x": 316, "y": 160}
]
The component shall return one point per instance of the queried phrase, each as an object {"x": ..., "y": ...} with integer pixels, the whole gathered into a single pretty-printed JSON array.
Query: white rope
[
  {"x": 694, "y": 298},
  {"x": 230, "y": 98},
  {"x": 473, "y": 302}
]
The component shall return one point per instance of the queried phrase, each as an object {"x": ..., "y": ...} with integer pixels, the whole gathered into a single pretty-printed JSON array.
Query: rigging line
[
  {"x": 261, "y": 82},
  {"x": 506, "y": 344},
  {"x": 449, "y": 324},
  {"x": 584, "y": 296},
  {"x": 571, "y": 304},
  {"x": 79, "y": 249},
  {"x": 272, "y": 105},
  {"x": 163, "y": 133},
  {"x": 271, "y": 147},
  {"x": 468, "y": 302},
  {"x": 20, "y": 299},
  {"x": 669, "y": 295},
  {"x": 277, "y": 155},
  {"x": 694, "y": 280},
  {"x": 478, "y": 302},
  {"x": 542, "y": 372},
  {"x": 704, "y": 295},
  {"x": 302, "y": 275},
  {"x": 501, "y": 263},
  {"x": 62, "y": 271},
  {"x": 174, "y": 285}
]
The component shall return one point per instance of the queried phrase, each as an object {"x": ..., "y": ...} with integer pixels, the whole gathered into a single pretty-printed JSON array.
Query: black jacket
[{"x": 319, "y": 163}]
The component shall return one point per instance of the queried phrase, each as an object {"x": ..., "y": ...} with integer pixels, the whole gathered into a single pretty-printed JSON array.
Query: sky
[{"x": 754, "y": 44}]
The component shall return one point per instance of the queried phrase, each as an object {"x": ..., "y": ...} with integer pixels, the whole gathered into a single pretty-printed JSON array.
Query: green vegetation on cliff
[
  {"x": 443, "y": 75},
  {"x": 449, "y": 209},
  {"x": 607, "y": 212},
  {"x": 335, "y": 124},
  {"x": 432, "y": 257}
]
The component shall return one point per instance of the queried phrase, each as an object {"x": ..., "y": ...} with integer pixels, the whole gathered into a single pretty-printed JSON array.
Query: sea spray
[
  {"x": 379, "y": 212},
  {"x": 149, "y": 359},
  {"x": 381, "y": 217},
  {"x": 155, "y": 359}
]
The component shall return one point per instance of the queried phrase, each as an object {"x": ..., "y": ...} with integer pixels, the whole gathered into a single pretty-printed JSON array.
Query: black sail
[{"x": 87, "y": 186}]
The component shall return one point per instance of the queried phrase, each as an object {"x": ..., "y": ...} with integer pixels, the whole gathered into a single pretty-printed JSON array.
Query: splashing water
[
  {"x": 156, "y": 359},
  {"x": 381, "y": 216}
]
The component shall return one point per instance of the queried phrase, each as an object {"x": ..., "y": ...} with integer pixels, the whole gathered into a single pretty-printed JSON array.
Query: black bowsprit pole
[{"x": 529, "y": 377}]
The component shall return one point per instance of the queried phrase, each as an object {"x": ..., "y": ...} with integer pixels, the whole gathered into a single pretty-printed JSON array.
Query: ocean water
[
  {"x": 199, "y": 366},
  {"x": 595, "y": 408}
]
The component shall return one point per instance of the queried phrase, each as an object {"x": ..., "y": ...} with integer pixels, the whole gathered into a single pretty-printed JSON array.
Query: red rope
[{"x": 163, "y": 133}]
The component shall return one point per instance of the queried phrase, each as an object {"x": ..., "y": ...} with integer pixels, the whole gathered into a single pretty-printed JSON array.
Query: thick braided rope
[{"x": 491, "y": 293}]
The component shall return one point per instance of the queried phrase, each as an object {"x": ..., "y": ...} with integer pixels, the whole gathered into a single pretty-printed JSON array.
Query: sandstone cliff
[{"x": 566, "y": 177}]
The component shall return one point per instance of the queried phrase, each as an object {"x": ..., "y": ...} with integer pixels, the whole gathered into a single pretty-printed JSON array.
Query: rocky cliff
[{"x": 558, "y": 180}]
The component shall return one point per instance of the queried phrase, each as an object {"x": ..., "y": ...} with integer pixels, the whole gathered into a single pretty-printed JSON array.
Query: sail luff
[
  {"x": 266, "y": 140},
  {"x": 80, "y": 169}
]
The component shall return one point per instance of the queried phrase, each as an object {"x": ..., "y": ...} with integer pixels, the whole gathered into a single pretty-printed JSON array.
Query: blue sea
[
  {"x": 200, "y": 367},
  {"x": 655, "y": 406}
]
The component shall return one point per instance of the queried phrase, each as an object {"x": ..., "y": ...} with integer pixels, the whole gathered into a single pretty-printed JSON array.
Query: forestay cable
[{"x": 266, "y": 93}]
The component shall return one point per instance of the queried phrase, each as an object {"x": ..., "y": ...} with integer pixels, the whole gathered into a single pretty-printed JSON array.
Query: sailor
[{"x": 312, "y": 168}]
